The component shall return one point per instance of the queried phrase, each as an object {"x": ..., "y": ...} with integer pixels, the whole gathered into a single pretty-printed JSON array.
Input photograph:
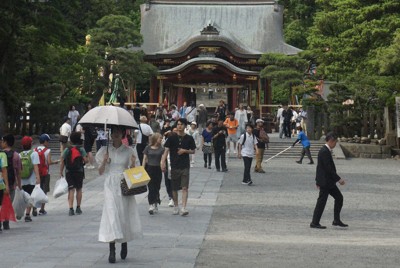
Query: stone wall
[{"x": 366, "y": 150}]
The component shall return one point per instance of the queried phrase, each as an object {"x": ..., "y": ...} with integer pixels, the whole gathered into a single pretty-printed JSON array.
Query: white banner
[{"x": 398, "y": 116}]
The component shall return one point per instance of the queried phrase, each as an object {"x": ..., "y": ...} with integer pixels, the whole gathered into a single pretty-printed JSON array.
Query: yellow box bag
[{"x": 136, "y": 177}]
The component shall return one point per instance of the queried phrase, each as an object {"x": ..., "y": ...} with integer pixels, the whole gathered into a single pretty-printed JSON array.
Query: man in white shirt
[
  {"x": 142, "y": 138},
  {"x": 247, "y": 148}
]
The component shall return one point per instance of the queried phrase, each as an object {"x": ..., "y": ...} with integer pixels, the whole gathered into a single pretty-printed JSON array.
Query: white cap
[{"x": 259, "y": 121}]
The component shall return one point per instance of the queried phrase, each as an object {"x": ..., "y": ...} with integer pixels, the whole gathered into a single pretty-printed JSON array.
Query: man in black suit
[{"x": 326, "y": 180}]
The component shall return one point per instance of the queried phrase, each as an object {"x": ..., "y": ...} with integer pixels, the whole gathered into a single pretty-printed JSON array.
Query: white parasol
[{"x": 109, "y": 115}]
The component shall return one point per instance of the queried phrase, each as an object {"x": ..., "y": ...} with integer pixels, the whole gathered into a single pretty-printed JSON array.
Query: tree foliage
[{"x": 44, "y": 60}]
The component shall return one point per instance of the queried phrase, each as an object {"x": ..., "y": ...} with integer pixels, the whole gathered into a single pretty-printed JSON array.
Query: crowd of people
[{"x": 164, "y": 144}]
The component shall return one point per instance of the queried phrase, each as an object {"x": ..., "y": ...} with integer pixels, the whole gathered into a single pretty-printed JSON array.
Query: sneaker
[
  {"x": 175, "y": 211},
  {"x": 311, "y": 163},
  {"x": 28, "y": 218},
  {"x": 227, "y": 151},
  {"x": 245, "y": 182},
  {"x": 78, "y": 211},
  {"x": 224, "y": 170},
  {"x": 209, "y": 167},
  {"x": 250, "y": 182},
  {"x": 205, "y": 165},
  {"x": 42, "y": 212},
  {"x": 192, "y": 162},
  {"x": 91, "y": 167},
  {"x": 191, "y": 165},
  {"x": 151, "y": 209},
  {"x": 34, "y": 212},
  {"x": 261, "y": 171},
  {"x": 298, "y": 162},
  {"x": 155, "y": 208},
  {"x": 171, "y": 203},
  {"x": 184, "y": 212},
  {"x": 71, "y": 212}
]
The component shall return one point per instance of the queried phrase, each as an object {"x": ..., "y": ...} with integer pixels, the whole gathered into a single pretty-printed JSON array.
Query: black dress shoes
[
  {"x": 339, "y": 223},
  {"x": 317, "y": 226}
]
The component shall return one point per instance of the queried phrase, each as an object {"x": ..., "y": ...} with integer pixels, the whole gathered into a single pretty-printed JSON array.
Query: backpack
[
  {"x": 244, "y": 138},
  {"x": 74, "y": 159},
  {"x": 27, "y": 166},
  {"x": 43, "y": 167},
  {"x": 10, "y": 167}
]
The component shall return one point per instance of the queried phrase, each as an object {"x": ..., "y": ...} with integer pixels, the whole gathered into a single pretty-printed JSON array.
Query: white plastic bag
[
  {"x": 27, "y": 198},
  {"x": 39, "y": 196},
  {"x": 19, "y": 203},
  {"x": 60, "y": 188}
]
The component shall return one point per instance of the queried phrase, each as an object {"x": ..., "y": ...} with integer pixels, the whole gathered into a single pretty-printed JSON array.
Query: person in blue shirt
[{"x": 301, "y": 137}]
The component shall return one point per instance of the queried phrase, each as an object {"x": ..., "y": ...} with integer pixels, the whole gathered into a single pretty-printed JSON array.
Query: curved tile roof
[
  {"x": 208, "y": 60},
  {"x": 255, "y": 27}
]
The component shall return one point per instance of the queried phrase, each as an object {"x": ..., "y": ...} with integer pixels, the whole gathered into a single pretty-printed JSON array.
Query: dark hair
[
  {"x": 250, "y": 125},
  {"x": 331, "y": 136},
  {"x": 75, "y": 138},
  {"x": 209, "y": 123},
  {"x": 121, "y": 128},
  {"x": 183, "y": 121},
  {"x": 9, "y": 139},
  {"x": 300, "y": 128}
]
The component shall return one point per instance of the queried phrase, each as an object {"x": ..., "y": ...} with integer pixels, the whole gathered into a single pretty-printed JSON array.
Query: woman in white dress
[{"x": 120, "y": 220}]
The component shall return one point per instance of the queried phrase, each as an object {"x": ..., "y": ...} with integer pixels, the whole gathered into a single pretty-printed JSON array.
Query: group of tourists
[
  {"x": 164, "y": 144},
  {"x": 289, "y": 120}
]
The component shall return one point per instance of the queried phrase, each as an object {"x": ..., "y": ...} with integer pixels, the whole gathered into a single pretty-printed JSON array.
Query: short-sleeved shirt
[
  {"x": 153, "y": 155},
  {"x": 304, "y": 140},
  {"x": 81, "y": 150},
  {"x": 248, "y": 146},
  {"x": 176, "y": 142},
  {"x": 207, "y": 135},
  {"x": 231, "y": 125},
  {"x": 35, "y": 161},
  {"x": 3, "y": 163}
]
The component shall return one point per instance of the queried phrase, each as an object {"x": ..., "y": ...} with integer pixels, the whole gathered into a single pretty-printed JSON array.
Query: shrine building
[{"x": 206, "y": 50}]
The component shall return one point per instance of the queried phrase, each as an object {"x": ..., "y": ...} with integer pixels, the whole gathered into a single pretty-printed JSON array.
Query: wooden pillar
[
  {"x": 180, "y": 99},
  {"x": 234, "y": 98},
  {"x": 153, "y": 85},
  {"x": 161, "y": 91}
]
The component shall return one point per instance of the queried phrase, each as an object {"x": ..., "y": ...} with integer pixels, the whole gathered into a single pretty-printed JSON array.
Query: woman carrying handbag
[{"x": 120, "y": 220}]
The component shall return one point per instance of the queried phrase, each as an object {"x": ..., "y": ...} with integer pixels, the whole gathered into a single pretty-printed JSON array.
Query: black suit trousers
[{"x": 321, "y": 202}]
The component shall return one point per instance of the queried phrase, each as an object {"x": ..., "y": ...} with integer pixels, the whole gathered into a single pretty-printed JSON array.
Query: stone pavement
[
  {"x": 59, "y": 240},
  {"x": 229, "y": 225}
]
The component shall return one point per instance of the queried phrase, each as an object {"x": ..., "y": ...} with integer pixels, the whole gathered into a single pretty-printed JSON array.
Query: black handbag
[{"x": 134, "y": 191}]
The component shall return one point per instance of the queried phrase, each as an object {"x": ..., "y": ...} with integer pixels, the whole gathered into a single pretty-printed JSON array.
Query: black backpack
[
  {"x": 74, "y": 160},
  {"x": 10, "y": 167},
  {"x": 244, "y": 138}
]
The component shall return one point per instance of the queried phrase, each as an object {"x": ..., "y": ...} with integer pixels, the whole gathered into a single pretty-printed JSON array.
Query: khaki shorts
[
  {"x": 179, "y": 179},
  {"x": 232, "y": 138}
]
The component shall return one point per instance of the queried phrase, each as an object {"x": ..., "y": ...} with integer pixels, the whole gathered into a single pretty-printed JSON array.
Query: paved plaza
[{"x": 229, "y": 225}]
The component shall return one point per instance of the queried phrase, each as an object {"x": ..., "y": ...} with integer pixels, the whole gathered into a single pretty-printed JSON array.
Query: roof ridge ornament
[{"x": 209, "y": 29}]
